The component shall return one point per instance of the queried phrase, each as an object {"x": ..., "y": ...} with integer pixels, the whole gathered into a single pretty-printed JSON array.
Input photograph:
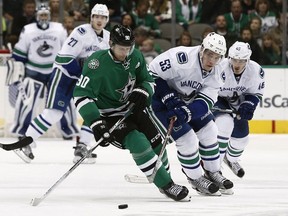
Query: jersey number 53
[{"x": 165, "y": 65}]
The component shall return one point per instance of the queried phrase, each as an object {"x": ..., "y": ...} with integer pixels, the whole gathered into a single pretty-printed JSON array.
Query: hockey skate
[
  {"x": 204, "y": 186},
  {"x": 175, "y": 191},
  {"x": 235, "y": 167},
  {"x": 25, "y": 153},
  {"x": 80, "y": 151},
  {"x": 223, "y": 183}
]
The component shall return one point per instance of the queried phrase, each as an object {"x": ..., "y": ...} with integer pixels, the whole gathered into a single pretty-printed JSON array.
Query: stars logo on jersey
[
  {"x": 182, "y": 57},
  {"x": 93, "y": 64},
  {"x": 127, "y": 88}
]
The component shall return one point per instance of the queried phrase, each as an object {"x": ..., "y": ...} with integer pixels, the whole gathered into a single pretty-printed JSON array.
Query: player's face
[
  {"x": 210, "y": 59},
  {"x": 238, "y": 65},
  {"x": 98, "y": 22},
  {"x": 120, "y": 52}
]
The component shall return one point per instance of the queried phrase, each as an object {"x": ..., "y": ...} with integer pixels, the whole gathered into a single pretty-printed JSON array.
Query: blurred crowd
[{"x": 258, "y": 22}]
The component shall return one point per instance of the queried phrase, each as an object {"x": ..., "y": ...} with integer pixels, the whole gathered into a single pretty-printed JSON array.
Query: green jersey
[{"x": 105, "y": 84}]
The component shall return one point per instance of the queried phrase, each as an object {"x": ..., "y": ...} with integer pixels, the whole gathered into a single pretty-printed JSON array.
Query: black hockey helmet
[{"x": 122, "y": 35}]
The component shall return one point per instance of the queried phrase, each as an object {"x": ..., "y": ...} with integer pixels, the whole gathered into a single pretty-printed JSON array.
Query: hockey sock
[{"x": 145, "y": 157}]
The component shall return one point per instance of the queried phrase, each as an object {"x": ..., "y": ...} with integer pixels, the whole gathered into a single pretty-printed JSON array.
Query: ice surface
[{"x": 98, "y": 189}]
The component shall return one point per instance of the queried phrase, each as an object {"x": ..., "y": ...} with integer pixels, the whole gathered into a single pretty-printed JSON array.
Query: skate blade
[
  {"x": 21, "y": 154},
  {"x": 226, "y": 191},
  {"x": 217, "y": 193},
  {"x": 86, "y": 161}
]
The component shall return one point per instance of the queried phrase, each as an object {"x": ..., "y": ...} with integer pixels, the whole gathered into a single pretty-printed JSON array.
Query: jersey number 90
[{"x": 83, "y": 81}]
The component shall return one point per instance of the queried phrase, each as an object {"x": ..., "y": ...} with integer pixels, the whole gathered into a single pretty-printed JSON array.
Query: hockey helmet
[
  {"x": 122, "y": 35},
  {"x": 100, "y": 9},
  {"x": 215, "y": 42},
  {"x": 43, "y": 9},
  {"x": 240, "y": 51}
]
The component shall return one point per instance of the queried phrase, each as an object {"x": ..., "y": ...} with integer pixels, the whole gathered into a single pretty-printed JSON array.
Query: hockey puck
[{"x": 122, "y": 206}]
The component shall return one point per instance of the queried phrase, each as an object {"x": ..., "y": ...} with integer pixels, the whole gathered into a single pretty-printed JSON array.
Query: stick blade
[
  {"x": 136, "y": 179},
  {"x": 35, "y": 201}
]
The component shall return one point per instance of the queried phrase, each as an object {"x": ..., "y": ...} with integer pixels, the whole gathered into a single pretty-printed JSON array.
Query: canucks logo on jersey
[{"x": 182, "y": 57}]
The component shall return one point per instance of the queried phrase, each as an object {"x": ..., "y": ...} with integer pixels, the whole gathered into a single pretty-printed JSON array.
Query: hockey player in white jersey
[
  {"x": 81, "y": 43},
  {"x": 37, "y": 48},
  {"x": 242, "y": 91},
  {"x": 187, "y": 83}
]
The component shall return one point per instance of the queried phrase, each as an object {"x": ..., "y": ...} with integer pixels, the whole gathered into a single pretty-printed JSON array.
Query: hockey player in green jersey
[{"x": 111, "y": 81}]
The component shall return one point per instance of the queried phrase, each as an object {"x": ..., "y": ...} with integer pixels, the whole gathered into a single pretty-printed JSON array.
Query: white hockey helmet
[
  {"x": 100, "y": 9},
  {"x": 240, "y": 51},
  {"x": 215, "y": 42},
  {"x": 43, "y": 9}
]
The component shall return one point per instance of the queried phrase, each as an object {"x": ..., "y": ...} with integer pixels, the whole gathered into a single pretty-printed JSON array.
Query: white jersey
[
  {"x": 81, "y": 43},
  {"x": 181, "y": 68},
  {"x": 39, "y": 46},
  {"x": 251, "y": 82}
]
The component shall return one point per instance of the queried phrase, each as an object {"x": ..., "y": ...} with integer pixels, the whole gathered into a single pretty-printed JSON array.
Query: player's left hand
[
  {"x": 246, "y": 110},
  {"x": 139, "y": 98}
]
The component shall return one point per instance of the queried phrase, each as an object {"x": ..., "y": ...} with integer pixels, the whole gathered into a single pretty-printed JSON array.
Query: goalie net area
[{"x": 7, "y": 110}]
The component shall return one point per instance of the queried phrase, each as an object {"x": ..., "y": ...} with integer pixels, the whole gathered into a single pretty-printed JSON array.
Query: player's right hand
[{"x": 101, "y": 130}]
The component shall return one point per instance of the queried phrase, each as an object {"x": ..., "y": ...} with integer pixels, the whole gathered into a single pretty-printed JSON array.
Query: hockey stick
[
  {"x": 19, "y": 144},
  {"x": 229, "y": 111},
  {"x": 142, "y": 180},
  {"x": 36, "y": 201}
]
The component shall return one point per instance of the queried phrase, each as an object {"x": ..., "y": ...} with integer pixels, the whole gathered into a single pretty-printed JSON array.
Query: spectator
[
  {"x": 55, "y": 12},
  {"x": 236, "y": 20},
  {"x": 272, "y": 53},
  {"x": 220, "y": 27},
  {"x": 161, "y": 10},
  {"x": 146, "y": 20},
  {"x": 255, "y": 25},
  {"x": 128, "y": 20},
  {"x": 268, "y": 17},
  {"x": 257, "y": 54},
  {"x": 185, "y": 39},
  {"x": 277, "y": 31},
  {"x": 248, "y": 6},
  {"x": 148, "y": 51},
  {"x": 190, "y": 11},
  {"x": 127, "y": 6},
  {"x": 141, "y": 35},
  {"x": 22, "y": 19},
  {"x": 69, "y": 24},
  {"x": 77, "y": 9}
]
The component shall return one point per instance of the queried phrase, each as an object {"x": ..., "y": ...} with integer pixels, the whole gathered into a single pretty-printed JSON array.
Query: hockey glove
[
  {"x": 183, "y": 115},
  {"x": 246, "y": 110},
  {"x": 171, "y": 101},
  {"x": 139, "y": 98},
  {"x": 100, "y": 130}
]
